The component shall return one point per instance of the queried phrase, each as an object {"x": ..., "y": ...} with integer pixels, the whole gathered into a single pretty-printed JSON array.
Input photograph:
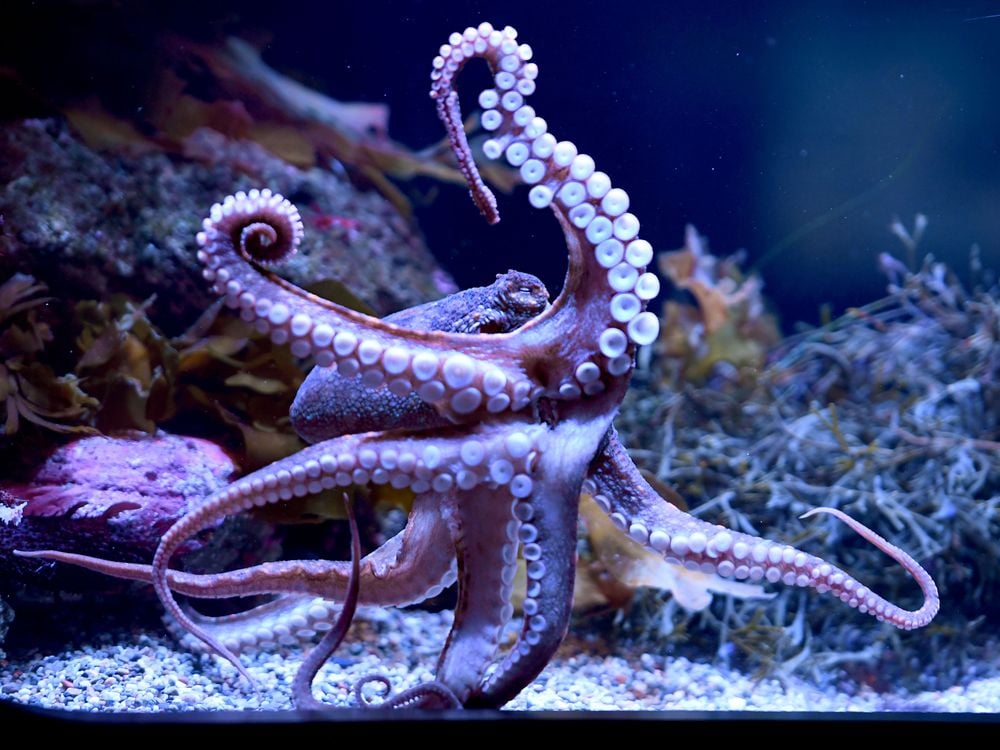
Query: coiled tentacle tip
[{"x": 265, "y": 226}]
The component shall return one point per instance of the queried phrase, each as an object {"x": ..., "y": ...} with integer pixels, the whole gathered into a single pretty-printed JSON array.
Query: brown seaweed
[
  {"x": 890, "y": 412},
  {"x": 29, "y": 388}
]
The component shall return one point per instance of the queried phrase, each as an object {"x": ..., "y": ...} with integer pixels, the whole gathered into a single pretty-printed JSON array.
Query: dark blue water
[{"x": 794, "y": 130}]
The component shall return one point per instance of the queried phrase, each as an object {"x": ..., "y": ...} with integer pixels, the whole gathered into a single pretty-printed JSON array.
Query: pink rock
[{"x": 112, "y": 497}]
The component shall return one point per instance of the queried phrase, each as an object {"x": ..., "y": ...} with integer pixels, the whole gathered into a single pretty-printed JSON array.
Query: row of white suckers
[
  {"x": 403, "y": 468},
  {"x": 393, "y": 365},
  {"x": 458, "y": 378},
  {"x": 734, "y": 558},
  {"x": 503, "y": 461},
  {"x": 594, "y": 207}
]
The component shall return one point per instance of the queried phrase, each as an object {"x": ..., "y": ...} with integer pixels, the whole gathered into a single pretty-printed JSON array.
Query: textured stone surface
[
  {"x": 105, "y": 496},
  {"x": 89, "y": 223}
]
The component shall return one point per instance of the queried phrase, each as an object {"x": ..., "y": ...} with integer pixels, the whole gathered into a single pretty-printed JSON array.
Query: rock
[
  {"x": 111, "y": 497},
  {"x": 89, "y": 223}
]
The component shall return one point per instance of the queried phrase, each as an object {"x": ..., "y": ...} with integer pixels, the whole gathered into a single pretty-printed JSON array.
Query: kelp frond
[{"x": 29, "y": 389}]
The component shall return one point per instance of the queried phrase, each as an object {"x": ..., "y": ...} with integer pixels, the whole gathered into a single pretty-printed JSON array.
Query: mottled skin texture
[
  {"x": 521, "y": 423},
  {"x": 328, "y": 404}
]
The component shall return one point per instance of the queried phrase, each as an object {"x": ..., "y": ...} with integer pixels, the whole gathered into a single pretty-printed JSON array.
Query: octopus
[{"x": 494, "y": 409}]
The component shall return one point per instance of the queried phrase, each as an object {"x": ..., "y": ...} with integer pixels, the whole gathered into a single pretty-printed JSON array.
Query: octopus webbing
[{"x": 495, "y": 432}]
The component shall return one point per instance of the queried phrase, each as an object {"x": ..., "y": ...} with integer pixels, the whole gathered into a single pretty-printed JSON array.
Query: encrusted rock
[
  {"x": 107, "y": 496},
  {"x": 90, "y": 223}
]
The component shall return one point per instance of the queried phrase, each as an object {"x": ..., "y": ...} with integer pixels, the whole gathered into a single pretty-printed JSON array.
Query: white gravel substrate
[{"x": 149, "y": 672}]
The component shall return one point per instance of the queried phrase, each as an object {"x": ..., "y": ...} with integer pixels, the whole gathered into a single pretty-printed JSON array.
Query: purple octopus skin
[
  {"x": 305, "y": 675},
  {"x": 329, "y": 404},
  {"x": 522, "y": 421}
]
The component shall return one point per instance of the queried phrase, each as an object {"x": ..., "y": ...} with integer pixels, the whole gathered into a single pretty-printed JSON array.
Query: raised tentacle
[
  {"x": 579, "y": 347},
  {"x": 638, "y": 510},
  {"x": 589, "y": 334}
]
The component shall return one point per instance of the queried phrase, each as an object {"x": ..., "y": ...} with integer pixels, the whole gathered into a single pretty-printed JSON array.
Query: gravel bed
[{"x": 146, "y": 671}]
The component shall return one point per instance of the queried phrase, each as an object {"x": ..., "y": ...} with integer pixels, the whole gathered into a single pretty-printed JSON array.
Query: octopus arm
[
  {"x": 622, "y": 493},
  {"x": 485, "y": 537},
  {"x": 546, "y": 522},
  {"x": 414, "y": 565}
]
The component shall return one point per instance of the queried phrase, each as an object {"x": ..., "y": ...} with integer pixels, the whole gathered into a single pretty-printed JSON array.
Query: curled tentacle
[
  {"x": 272, "y": 237},
  {"x": 432, "y": 695},
  {"x": 461, "y": 375},
  {"x": 619, "y": 489}
]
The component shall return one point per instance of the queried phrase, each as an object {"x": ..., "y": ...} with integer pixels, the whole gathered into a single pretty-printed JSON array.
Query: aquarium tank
[{"x": 396, "y": 358}]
